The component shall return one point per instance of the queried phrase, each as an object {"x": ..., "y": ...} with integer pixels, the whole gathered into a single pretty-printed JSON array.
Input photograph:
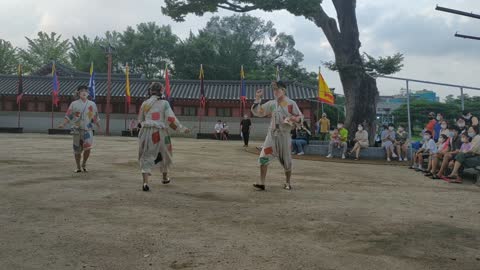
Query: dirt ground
[{"x": 338, "y": 216}]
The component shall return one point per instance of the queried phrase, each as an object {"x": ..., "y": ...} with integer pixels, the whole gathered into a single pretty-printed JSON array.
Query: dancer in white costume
[
  {"x": 154, "y": 142},
  {"x": 284, "y": 114}
]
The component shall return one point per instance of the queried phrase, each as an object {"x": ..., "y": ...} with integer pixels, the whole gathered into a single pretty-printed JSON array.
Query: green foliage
[
  {"x": 147, "y": 49},
  {"x": 383, "y": 65},
  {"x": 85, "y": 51},
  {"x": 8, "y": 58},
  {"x": 227, "y": 43},
  {"x": 44, "y": 49}
]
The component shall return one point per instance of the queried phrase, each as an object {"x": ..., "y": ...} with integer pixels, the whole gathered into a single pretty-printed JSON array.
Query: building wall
[{"x": 40, "y": 122}]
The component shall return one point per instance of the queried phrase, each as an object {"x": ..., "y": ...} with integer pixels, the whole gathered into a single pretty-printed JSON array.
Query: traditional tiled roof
[
  {"x": 180, "y": 89},
  {"x": 65, "y": 71}
]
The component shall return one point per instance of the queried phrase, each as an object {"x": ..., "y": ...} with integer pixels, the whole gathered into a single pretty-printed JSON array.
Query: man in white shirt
[{"x": 218, "y": 130}]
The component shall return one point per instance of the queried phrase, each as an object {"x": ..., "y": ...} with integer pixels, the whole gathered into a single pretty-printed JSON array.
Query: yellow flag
[
  {"x": 127, "y": 86},
  {"x": 324, "y": 93}
]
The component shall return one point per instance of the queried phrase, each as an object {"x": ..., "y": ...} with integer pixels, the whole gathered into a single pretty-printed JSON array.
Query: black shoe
[
  {"x": 145, "y": 188},
  {"x": 259, "y": 187}
]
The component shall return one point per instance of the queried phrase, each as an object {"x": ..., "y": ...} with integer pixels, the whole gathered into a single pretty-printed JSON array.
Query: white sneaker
[
  {"x": 301, "y": 154},
  {"x": 405, "y": 159},
  {"x": 329, "y": 156},
  {"x": 388, "y": 159},
  {"x": 394, "y": 156},
  {"x": 343, "y": 156},
  {"x": 294, "y": 153},
  {"x": 400, "y": 159}
]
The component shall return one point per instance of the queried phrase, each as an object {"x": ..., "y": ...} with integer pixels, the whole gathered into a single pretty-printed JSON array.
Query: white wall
[{"x": 40, "y": 122}]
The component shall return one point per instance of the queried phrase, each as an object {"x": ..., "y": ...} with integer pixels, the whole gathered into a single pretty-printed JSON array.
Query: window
[
  {"x": 189, "y": 111},
  {"x": 224, "y": 112}
]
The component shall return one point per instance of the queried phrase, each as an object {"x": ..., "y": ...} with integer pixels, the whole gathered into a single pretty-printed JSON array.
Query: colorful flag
[
  {"x": 324, "y": 93},
  {"x": 91, "y": 83},
  {"x": 20, "y": 84},
  {"x": 277, "y": 74},
  {"x": 127, "y": 86},
  {"x": 243, "y": 88},
  {"x": 167, "y": 83},
  {"x": 56, "y": 86},
  {"x": 203, "y": 99}
]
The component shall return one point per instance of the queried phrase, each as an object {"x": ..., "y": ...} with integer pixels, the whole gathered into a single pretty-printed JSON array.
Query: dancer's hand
[
  {"x": 259, "y": 94},
  {"x": 187, "y": 131},
  {"x": 61, "y": 126}
]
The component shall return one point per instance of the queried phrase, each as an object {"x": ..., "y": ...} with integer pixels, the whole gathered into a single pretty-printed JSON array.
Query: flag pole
[
  {"x": 18, "y": 114},
  {"x": 126, "y": 106}
]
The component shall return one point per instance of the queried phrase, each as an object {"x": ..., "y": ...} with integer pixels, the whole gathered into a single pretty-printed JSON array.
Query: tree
[
  {"x": 44, "y": 49},
  {"x": 8, "y": 58},
  {"x": 359, "y": 87},
  {"x": 147, "y": 49},
  {"x": 85, "y": 51},
  {"x": 227, "y": 43}
]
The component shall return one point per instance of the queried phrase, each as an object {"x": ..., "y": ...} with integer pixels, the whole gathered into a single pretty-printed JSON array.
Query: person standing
[
  {"x": 284, "y": 114},
  {"x": 154, "y": 142},
  {"x": 324, "y": 124},
  {"x": 245, "y": 125},
  {"x": 82, "y": 114}
]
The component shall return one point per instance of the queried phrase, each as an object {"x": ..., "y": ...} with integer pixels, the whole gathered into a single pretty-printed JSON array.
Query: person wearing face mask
[
  {"x": 154, "y": 142},
  {"x": 467, "y": 159},
  {"x": 401, "y": 142},
  {"x": 443, "y": 147},
  {"x": 388, "y": 138},
  {"x": 469, "y": 119},
  {"x": 429, "y": 147},
  {"x": 324, "y": 127},
  {"x": 442, "y": 130},
  {"x": 461, "y": 126},
  {"x": 341, "y": 142},
  {"x": 285, "y": 114},
  {"x": 82, "y": 114},
  {"x": 245, "y": 125},
  {"x": 302, "y": 138},
  {"x": 431, "y": 124},
  {"x": 361, "y": 141},
  {"x": 456, "y": 142},
  {"x": 438, "y": 126}
]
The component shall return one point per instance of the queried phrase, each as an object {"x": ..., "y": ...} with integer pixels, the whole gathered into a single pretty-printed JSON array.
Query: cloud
[{"x": 412, "y": 27}]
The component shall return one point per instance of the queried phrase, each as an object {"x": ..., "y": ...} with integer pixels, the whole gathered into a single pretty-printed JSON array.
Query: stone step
[{"x": 368, "y": 153}]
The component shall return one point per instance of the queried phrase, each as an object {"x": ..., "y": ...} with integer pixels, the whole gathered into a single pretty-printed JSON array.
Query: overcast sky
[{"x": 411, "y": 27}]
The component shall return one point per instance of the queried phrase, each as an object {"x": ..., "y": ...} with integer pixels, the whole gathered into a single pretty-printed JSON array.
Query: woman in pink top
[{"x": 443, "y": 147}]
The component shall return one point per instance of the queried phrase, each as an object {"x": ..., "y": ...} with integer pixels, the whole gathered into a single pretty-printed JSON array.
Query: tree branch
[
  {"x": 328, "y": 25},
  {"x": 236, "y": 8}
]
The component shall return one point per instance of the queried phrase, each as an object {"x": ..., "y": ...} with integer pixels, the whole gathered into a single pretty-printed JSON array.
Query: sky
[{"x": 412, "y": 27}]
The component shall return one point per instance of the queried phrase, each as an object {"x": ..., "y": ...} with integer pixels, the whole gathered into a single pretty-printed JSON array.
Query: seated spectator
[
  {"x": 302, "y": 138},
  {"x": 361, "y": 141},
  {"x": 438, "y": 127},
  {"x": 469, "y": 119},
  {"x": 461, "y": 126},
  {"x": 401, "y": 142},
  {"x": 443, "y": 129},
  {"x": 225, "y": 131},
  {"x": 218, "y": 130},
  {"x": 338, "y": 140},
  {"x": 431, "y": 124},
  {"x": 133, "y": 126},
  {"x": 456, "y": 141},
  {"x": 428, "y": 147},
  {"x": 468, "y": 159},
  {"x": 443, "y": 147},
  {"x": 388, "y": 138}
]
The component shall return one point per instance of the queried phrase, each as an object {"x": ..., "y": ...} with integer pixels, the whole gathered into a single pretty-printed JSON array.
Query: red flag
[
  {"x": 203, "y": 99},
  {"x": 20, "y": 85},
  {"x": 167, "y": 83}
]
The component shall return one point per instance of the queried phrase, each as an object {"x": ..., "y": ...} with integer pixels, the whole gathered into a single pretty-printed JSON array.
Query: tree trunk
[
  {"x": 360, "y": 89},
  {"x": 361, "y": 96}
]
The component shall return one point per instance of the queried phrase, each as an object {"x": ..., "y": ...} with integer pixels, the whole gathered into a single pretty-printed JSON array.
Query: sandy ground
[{"x": 339, "y": 216}]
